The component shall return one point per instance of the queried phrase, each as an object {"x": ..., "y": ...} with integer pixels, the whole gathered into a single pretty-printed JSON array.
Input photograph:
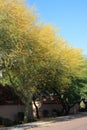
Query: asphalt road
[
  {"x": 73, "y": 124},
  {"x": 70, "y": 122}
]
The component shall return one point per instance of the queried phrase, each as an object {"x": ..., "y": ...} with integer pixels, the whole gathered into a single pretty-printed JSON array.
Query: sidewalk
[{"x": 46, "y": 122}]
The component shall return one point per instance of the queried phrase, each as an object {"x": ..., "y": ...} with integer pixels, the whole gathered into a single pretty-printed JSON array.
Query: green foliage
[{"x": 83, "y": 91}]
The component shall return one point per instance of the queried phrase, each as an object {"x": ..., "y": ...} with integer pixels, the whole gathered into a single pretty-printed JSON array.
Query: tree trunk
[{"x": 28, "y": 115}]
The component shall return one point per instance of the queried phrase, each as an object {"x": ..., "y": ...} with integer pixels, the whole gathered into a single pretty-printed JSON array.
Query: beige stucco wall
[
  {"x": 50, "y": 108},
  {"x": 10, "y": 111},
  {"x": 75, "y": 109}
]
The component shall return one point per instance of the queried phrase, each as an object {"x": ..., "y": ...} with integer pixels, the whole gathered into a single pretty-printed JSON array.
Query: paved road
[
  {"x": 71, "y": 122},
  {"x": 74, "y": 124}
]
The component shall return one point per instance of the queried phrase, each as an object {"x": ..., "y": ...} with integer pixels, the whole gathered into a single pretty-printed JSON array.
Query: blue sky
[{"x": 68, "y": 15}]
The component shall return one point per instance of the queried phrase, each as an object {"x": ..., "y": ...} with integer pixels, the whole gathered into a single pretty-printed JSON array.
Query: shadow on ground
[{"x": 70, "y": 117}]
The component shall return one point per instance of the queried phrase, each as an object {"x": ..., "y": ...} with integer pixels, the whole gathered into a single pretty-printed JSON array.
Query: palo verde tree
[
  {"x": 16, "y": 42},
  {"x": 65, "y": 65}
]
